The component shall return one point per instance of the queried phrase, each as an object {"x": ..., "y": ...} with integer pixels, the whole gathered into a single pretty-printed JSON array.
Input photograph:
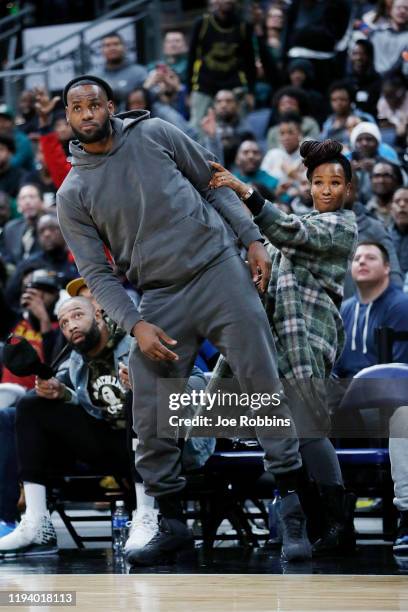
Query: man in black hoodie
[{"x": 140, "y": 187}]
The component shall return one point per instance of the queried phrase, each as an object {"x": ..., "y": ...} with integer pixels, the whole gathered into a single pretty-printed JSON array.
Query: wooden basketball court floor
[
  {"x": 225, "y": 580},
  {"x": 219, "y": 593}
]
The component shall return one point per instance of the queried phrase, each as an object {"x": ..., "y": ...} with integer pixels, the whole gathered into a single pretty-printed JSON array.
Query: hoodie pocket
[{"x": 176, "y": 252}]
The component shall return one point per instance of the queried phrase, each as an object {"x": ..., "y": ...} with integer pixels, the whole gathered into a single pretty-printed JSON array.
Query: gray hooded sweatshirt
[{"x": 148, "y": 201}]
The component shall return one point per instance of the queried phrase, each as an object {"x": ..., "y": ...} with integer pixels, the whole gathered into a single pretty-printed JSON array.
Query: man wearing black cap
[{"x": 140, "y": 187}]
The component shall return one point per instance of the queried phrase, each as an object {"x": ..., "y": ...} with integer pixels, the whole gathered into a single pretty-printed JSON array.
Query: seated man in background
[
  {"x": 69, "y": 418},
  {"x": 53, "y": 254},
  {"x": 80, "y": 414},
  {"x": 379, "y": 304},
  {"x": 38, "y": 325},
  {"x": 19, "y": 237},
  {"x": 248, "y": 168}
]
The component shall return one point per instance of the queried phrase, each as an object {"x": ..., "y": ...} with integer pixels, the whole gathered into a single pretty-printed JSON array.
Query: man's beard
[
  {"x": 91, "y": 339},
  {"x": 100, "y": 134}
]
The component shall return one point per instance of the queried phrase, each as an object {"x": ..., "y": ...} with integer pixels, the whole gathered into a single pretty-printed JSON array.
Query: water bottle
[
  {"x": 120, "y": 518},
  {"x": 275, "y": 536}
]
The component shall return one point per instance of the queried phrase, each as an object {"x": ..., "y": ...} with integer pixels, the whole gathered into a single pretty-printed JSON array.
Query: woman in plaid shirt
[{"x": 310, "y": 257}]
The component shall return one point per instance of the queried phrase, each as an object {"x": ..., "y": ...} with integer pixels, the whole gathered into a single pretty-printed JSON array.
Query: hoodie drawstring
[
  {"x": 354, "y": 330},
  {"x": 365, "y": 329}
]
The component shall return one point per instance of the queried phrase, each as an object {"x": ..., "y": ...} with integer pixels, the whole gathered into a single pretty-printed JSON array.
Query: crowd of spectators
[{"x": 251, "y": 89}]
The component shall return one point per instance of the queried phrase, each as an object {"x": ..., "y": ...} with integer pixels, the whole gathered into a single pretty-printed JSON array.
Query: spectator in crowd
[
  {"x": 221, "y": 57},
  {"x": 53, "y": 255},
  {"x": 23, "y": 156},
  {"x": 42, "y": 178},
  {"x": 385, "y": 180},
  {"x": 291, "y": 100},
  {"x": 11, "y": 176},
  {"x": 55, "y": 134},
  {"x": 27, "y": 120},
  {"x": 36, "y": 319},
  {"x": 121, "y": 73},
  {"x": 5, "y": 214},
  {"x": 62, "y": 130},
  {"x": 389, "y": 43},
  {"x": 399, "y": 226},
  {"x": 366, "y": 143},
  {"x": 363, "y": 78},
  {"x": 310, "y": 257},
  {"x": 175, "y": 54},
  {"x": 166, "y": 87},
  {"x": 231, "y": 128},
  {"x": 285, "y": 162},
  {"x": 274, "y": 25},
  {"x": 267, "y": 30},
  {"x": 341, "y": 101},
  {"x": 302, "y": 76},
  {"x": 366, "y": 149},
  {"x": 379, "y": 303},
  {"x": 393, "y": 108},
  {"x": 313, "y": 30},
  {"x": 142, "y": 98},
  {"x": 9, "y": 487},
  {"x": 302, "y": 202},
  {"x": 248, "y": 167},
  {"x": 379, "y": 17},
  {"x": 79, "y": 415},
  {"x": 68, "y": 418},
  {"x": 19, "y": 238},
  {"x": 371, "y": 229}
]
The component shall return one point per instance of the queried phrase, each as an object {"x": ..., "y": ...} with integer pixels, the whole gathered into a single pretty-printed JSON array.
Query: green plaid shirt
[{"x": 310, "y": 257}]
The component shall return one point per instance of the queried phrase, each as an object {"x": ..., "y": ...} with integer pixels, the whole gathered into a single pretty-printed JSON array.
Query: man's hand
[
  {"x": 31, "y": 300},
  {"x": 44, "y": 105},
  {"x": 260, "y": 265},
  {"x": 51, "y": 389},
  {"x": 124, "y": 376},
  {"x": 209, "y": 124},
  {"x": 150, "y": 339}
]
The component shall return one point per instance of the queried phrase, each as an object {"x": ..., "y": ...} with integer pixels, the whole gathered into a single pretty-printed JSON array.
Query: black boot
[
  {"x": 172, "y": 537},
  {"x": 338, "y": 513}
]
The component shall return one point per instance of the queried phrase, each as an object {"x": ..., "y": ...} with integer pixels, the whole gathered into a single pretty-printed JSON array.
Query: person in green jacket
[{"x": 310, "y": 257}]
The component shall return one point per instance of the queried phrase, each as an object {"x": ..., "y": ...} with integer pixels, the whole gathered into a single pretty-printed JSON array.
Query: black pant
[{"x": 52, "y": 436}]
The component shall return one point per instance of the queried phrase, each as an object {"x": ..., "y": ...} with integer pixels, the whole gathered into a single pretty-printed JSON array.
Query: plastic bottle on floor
[{"x": 120, "y": 518}]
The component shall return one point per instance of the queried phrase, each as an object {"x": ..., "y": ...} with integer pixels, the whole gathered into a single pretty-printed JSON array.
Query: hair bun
[{"x": 315, "y": 153}]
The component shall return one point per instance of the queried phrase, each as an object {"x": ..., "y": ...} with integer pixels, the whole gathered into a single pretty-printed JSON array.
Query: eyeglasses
[{"x": 384, "y": 175}]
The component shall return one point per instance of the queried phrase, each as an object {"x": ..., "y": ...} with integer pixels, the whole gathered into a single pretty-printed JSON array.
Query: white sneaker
[
  {"x": 143, "y": 528},
  {"x": 33, "y": 536}
]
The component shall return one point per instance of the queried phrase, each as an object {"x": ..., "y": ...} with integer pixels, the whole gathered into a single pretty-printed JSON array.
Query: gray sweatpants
[
  {"x": 398, "y": 447},
  {"x": 221, "y": 304}
]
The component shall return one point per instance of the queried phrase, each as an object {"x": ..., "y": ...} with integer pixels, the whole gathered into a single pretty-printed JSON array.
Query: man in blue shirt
[{"x": 379, "y": 304}]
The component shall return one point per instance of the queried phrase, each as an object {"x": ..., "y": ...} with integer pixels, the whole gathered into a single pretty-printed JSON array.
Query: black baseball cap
[{"x": 92, "y": 79}]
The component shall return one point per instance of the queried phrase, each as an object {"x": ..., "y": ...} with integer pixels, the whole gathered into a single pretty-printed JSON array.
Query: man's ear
[
  {"x": 66, "y": 115},
  {"x": 111, "y": 107},
  {"x": 98, "y": 315}
]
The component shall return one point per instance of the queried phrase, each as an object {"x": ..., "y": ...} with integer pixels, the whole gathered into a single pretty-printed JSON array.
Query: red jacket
[{"x": 57, "y": 164}]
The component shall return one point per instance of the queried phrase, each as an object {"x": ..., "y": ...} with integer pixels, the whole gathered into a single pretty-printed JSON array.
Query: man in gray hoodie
[{"x": 139, "y": 186}]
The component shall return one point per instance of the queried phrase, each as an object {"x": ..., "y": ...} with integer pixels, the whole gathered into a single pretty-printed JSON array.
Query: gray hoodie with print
[{"x": 148, "y": 201}]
